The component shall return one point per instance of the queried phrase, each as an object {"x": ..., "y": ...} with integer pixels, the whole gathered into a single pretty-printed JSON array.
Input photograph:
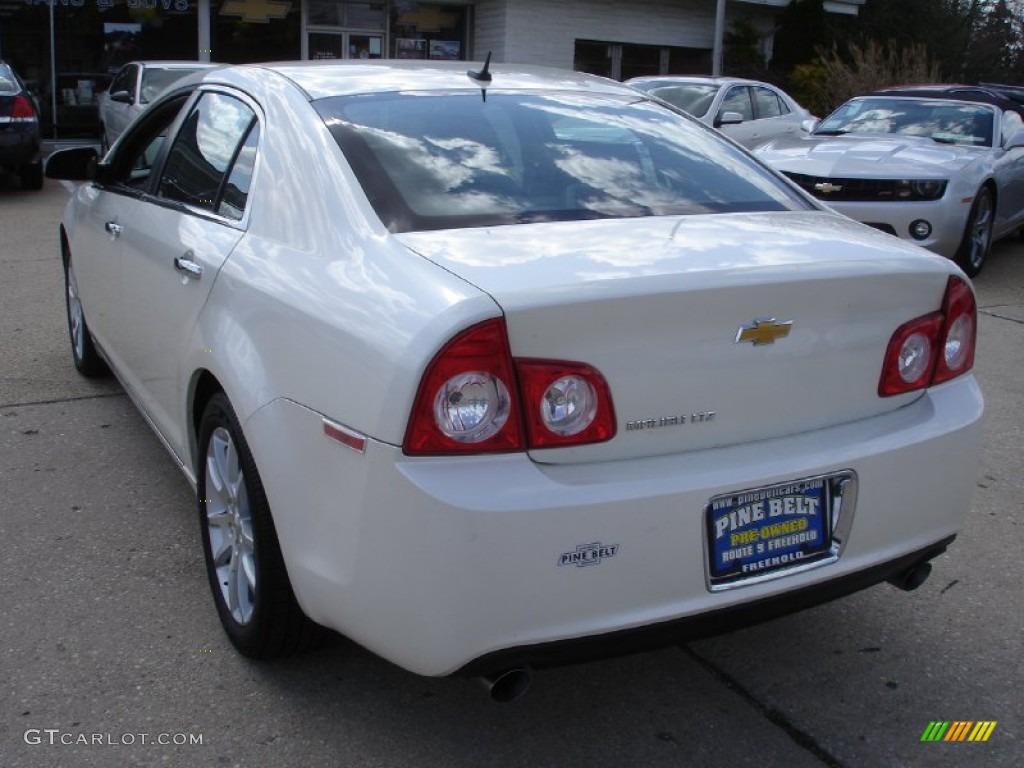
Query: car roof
[
  {"x": 169, "y": 64},
  {"x": 1012, "y": 92},
  {"x": 975, "y": 93},
  {"x": 694, "y": 79},
  {"x": 321, "y": 79}
]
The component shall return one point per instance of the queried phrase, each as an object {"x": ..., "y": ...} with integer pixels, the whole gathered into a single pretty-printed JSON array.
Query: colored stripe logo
[{"x": 958, "y": 730}]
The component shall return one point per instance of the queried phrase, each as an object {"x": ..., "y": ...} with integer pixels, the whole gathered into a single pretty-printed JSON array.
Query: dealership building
[{"x": 80, "y": 42}]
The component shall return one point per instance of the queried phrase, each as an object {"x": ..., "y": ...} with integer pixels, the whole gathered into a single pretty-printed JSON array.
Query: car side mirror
[
  {"x": 122, "y": 97},
  {"x": 75, "y": 164},
  {"x": 808, "y": 126},
  {"x": 1014, "y": 140},
  {"x": 728, "y": 118}
]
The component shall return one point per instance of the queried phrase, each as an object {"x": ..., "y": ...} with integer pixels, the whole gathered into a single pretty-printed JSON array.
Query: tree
[
  {"x": 833, "y": 78},
  {"x": 943, "y": 27},
  {"x": 994, "y": 48},
  {"x": 801, "y": 31},
  {"x": 742, "y": 50}
]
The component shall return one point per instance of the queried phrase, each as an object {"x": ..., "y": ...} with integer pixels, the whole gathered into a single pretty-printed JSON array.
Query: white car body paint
[{"x": 310, "y": 308}]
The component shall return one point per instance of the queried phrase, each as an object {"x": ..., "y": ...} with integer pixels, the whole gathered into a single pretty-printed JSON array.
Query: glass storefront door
[{"x": 365, "y": 46}]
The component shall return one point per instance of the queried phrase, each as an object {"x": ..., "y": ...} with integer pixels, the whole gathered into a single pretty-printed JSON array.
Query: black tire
[
  {"x": 977, "y": 241},
  {"x": 83, "y": 351},
  {"x": 247, "y": 575},
  {"x": 31, "y": 175}
]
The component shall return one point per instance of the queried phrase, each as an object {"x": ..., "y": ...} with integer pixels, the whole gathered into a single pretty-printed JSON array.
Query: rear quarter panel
[{"x": 318, "y": 304}]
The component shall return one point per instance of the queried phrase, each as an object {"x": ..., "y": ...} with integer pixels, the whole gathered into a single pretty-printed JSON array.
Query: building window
[
  {"x": 429, "y": 31},
  {"x": 254, "y": 30},
  {"x": 353, "y": 15},
  {"x": 621, "y": 61},
  {"x": 91, "y": 40}
]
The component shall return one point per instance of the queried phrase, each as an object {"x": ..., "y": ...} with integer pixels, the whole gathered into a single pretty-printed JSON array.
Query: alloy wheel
[
  {"x": 981, "y": 232},
  {"x": 76, "y": 320},
  {"x": 229, "y": 518}
]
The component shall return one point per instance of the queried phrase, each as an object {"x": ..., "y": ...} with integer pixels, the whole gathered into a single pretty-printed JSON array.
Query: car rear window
[
  {"x": 155, "y": 80},
  {"x": 693, "y": 98},
  {"x": 454, "y": 159},
  {"x": 8, "y": 82}
]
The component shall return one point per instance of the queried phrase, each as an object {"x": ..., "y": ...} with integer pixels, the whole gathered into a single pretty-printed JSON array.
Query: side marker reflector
[{"x": 345, "y": 436}]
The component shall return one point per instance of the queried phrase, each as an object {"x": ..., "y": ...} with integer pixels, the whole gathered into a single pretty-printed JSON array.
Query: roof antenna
[{"x": 482, "y": 77}]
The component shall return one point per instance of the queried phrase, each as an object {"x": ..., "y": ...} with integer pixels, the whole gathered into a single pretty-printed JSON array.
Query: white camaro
[
  {"x": 496, "y": 371},
  {"x": 940, "y": 166}
]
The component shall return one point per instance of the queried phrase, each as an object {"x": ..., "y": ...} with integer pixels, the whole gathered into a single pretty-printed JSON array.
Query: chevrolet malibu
[
  {"x": 135, "y": 85},
  {"x": 498, "y": 369},
  {"x": 940, "y": 166},
  {"x": 747, "y": 111}
]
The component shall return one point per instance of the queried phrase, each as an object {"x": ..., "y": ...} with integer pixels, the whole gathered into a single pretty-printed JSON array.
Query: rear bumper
[
  {"x": 454, "y": 565},
  {"x": 695, "y": 627},
  {"x": 19, "y": 144}
]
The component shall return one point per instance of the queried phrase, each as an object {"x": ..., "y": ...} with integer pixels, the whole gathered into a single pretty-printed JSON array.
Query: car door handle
[
  {"x": 187, "y": 267},
  {"x": 113, "y": 228}
]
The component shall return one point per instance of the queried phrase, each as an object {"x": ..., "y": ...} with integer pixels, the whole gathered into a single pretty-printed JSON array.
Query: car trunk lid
[{"x": 710, "y": 330}]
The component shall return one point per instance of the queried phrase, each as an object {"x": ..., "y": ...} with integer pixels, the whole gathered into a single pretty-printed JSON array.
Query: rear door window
[
  {"x": 204, "y": 151},
  {"x": 768, "y": 103}
]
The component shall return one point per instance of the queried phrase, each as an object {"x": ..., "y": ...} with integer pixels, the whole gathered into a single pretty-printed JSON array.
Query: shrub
[{"x": 831, "y": 78}]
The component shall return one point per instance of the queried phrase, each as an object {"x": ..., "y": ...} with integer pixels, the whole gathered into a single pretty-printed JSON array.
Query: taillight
[
  {"x": 565, "y": 403},
  {"x": 959, "y": 333},
  {"x": 474, "y": 398},
  {"x": 466, "y": 401},
  {"x": 22, "y": 109},
  {"x": 934, "y": 348}
]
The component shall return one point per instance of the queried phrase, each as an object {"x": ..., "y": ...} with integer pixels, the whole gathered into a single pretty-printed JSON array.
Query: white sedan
[
  {"x": 135, "y": 85},
  {"x": 940, "y": 166},
  {"x": 494, "y": 370},
  {"x": 747, "y": 111}
]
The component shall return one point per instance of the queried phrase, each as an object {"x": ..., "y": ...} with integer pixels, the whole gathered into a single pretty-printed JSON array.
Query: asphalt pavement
[{"x": 111, "y": 653}]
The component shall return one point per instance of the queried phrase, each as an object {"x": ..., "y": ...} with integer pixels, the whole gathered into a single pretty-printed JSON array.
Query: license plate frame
[{"x": 775, "y": 530}]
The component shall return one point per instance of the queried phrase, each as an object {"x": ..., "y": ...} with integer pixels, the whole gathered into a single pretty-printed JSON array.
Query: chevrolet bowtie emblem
[
  {"x": 827, "y": 187},
  {"x": 763, "y": 331}
]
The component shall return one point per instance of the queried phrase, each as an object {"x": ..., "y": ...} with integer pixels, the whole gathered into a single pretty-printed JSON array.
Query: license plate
[{"x": 757, "y": 532}]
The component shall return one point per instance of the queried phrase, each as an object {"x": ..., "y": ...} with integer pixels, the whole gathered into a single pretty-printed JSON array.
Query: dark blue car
[{"x": 19, "y": 130}]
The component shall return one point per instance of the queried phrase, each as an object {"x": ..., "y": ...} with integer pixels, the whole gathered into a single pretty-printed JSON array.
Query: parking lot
[{"x": 111, "y": 652}]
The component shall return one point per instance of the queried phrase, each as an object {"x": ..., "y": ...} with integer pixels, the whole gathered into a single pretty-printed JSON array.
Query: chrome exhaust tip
[
  {"x": 509, "y": 685},
  {"x": 912, "y": 578}
]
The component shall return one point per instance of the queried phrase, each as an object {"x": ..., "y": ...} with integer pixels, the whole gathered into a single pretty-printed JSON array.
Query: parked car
[
  {"x": 497, "y": 371},
  {"x": 1013, "y": 92},
  {"x": 135, "y": 85},
  {"x": 19, "y": 130},
  {"x": 747, "y": 111},
  {"x": 940, "y": 166}
]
